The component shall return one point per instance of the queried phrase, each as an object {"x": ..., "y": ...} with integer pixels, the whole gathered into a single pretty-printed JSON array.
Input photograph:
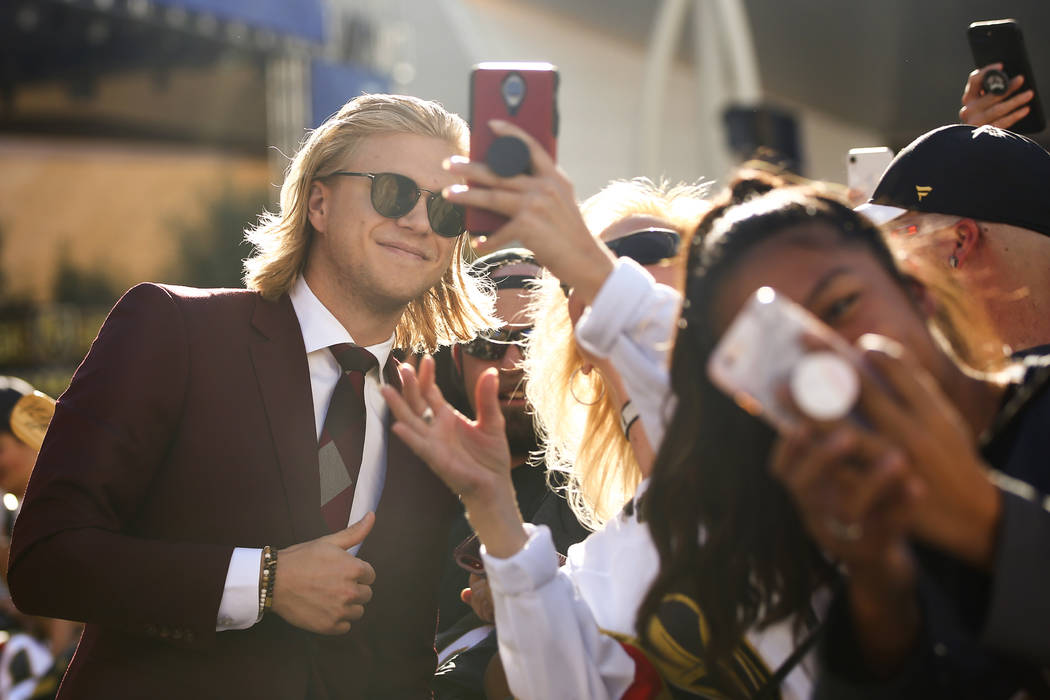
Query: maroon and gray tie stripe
[{"x": 342, "y": 438}]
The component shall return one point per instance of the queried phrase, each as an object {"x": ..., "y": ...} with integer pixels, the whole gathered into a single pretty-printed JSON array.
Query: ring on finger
[
  {"x": 847, "y": 532},
  {"x": 427, "y": 415}
]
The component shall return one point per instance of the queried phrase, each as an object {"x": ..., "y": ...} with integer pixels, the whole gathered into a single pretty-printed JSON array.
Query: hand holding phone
[
  {"x": 524, "y": 94},
  {"x": 864, "y": 169},
  {"x": 999, "y": 44},
  {"x": 781, "y": 363}
]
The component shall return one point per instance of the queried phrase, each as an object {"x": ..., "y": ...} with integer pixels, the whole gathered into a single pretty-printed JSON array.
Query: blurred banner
[
  {"x": 333, "y": 83},
  {"x": 302, "y": 18}
]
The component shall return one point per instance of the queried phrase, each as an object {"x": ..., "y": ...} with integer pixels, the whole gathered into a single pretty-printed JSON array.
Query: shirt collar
[{"x": 321, "y": 329}]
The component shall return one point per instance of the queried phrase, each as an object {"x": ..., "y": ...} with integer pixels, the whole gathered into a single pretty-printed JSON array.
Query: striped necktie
[{"x": 342, "y": 438}]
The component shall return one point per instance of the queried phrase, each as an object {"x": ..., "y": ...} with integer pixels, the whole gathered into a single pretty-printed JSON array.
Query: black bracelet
[{"x": 628, "y": 416}]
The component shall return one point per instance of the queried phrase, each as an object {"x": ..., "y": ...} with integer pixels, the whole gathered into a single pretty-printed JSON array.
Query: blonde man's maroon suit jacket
[{"x": 187, "y": 431}]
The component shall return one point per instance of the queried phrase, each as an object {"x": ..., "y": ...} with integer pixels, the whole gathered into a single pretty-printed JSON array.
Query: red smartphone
[
  {"x": 1001, "y": 41},
  {"x": 524, "y": 94}
]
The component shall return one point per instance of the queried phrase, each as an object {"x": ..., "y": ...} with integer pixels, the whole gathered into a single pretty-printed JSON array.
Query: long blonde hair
[
  {"x": 453, "y": 310},
  {"x": 586, "y": 441}
]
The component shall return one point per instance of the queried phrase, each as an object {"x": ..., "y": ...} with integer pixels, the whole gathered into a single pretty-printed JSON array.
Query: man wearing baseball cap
[{"x": 976, "y": 200}]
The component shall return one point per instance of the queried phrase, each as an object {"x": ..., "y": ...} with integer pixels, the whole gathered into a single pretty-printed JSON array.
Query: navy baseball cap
[
  {"x": 981, "y": 173},
  {"x": 489, "y": 266}
]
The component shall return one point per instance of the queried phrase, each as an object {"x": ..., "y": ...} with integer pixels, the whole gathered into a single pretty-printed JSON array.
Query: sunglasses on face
[
  {"x": 492, "y": 345},
  {"x": 395, "y": 195},
  {"x": 468, "y": 555},
  {"x": 646, "y": 247}
]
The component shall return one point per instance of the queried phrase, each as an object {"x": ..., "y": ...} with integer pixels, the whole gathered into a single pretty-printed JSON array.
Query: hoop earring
[{"x": 572, "y": 389}]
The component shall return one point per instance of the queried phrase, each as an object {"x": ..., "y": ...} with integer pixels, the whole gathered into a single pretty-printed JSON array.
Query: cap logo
[{"x": 922, "y": 191}]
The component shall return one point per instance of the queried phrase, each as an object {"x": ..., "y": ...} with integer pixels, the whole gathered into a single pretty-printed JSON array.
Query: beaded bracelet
[{"x": 267, "y": 576}]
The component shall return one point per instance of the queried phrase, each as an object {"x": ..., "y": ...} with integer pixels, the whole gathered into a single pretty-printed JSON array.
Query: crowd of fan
[{"x": 628, "y": 530}]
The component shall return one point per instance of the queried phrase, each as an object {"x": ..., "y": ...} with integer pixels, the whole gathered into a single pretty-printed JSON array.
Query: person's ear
[
  {"x": 317, "y": 204},
  {"x": 967, "y": 237}
]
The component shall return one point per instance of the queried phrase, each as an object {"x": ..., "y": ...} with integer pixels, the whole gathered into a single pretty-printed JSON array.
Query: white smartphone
[
  {"x": 780, "y": 362},
  {"x": 864, "y": 169}
]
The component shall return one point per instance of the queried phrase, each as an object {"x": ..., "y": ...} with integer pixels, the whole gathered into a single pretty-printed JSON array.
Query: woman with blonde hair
[{"x": 583, "y": 411}]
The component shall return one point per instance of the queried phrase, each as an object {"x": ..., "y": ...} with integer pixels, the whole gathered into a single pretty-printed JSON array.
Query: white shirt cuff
[
  {"x": 239, "y": 607},
  {"x": 528, "y": 569},
  {"x": 604, "y": 320}
]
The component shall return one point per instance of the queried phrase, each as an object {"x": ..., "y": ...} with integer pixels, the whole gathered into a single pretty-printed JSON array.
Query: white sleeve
[
  {"x": 549, "y": 642},
  {"x": 632, "y": 322},
  {"x": 239, "y": 607}
]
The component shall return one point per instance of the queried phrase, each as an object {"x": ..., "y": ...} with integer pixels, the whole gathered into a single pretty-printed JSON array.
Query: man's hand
[
  {"x": 320, "y": 586},
  {"x": 980, "y": 108}
]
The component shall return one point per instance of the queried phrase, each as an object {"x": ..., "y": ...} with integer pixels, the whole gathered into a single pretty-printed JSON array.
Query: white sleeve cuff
[
  {"x": 530, "y": 568},
  {"x": 239, "y": 607},
  {"x": 605, "y": 319}
]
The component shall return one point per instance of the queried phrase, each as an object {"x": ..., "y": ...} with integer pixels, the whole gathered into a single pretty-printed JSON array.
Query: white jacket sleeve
[
  {"x": 549, "y": 641},
  {"x": 632, "y": 322}
]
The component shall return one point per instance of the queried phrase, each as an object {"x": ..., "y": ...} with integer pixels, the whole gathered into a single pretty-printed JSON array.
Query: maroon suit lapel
[{"x": 279, "y": 357}]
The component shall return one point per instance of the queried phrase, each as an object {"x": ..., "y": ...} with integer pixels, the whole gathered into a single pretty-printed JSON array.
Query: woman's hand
[
  {"x": 542, "y": 212},
  {"x": 980, "y": 108},
  {"x": 471, "y": 457},
  {"x": 855, "y": 495},
  {"x": 957, "y": 508}
]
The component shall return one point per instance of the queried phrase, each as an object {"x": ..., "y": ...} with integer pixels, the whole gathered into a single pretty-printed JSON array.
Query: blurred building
[
  {"x": 139, "y": 137},
  {"x": 127, "y": 129},
  {"x": 851, "y": 74}
]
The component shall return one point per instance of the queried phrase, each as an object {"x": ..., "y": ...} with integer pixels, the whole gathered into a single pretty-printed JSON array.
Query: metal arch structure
[{"x": 726, "y": 73}]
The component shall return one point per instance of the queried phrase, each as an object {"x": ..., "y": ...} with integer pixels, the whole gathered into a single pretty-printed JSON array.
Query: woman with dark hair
[
  {"x": 940, "y": 543},
  {"x": 570, "y": 632}
]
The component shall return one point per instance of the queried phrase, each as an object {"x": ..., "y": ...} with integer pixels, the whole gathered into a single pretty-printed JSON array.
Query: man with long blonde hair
[{"x": 218, "y": 489}]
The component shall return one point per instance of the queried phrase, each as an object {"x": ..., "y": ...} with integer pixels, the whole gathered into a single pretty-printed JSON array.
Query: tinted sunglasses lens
[
  {"x": 393, "y": 195},
  {"x": 472, "y": 564},
  {"x": 483, "y": 349},
  {"x": 446, "y": 218},
  {"x": 468, "y": 555},
  {"x": 646, "y": 247}
]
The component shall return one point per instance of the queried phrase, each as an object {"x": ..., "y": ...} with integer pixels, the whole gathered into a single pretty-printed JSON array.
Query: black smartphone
[
  {"x": 524, "y": 94},
  {"x": 1001, "y": 41}
]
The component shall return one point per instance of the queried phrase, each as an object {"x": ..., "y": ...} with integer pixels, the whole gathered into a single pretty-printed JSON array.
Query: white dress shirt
[
  {"x": 554, "y": 623},
  {"x": 239, "y": 607}
]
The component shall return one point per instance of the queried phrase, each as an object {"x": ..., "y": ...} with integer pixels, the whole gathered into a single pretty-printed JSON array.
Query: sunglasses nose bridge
[
  {"x": 417, "y": 217},
  {"x": 512, "y": 356}
]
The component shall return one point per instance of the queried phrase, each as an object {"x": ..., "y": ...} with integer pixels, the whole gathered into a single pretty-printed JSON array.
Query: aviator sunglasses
[
  {"x": 395, "y": 195},
  {"x": 491, "y": 345}
]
